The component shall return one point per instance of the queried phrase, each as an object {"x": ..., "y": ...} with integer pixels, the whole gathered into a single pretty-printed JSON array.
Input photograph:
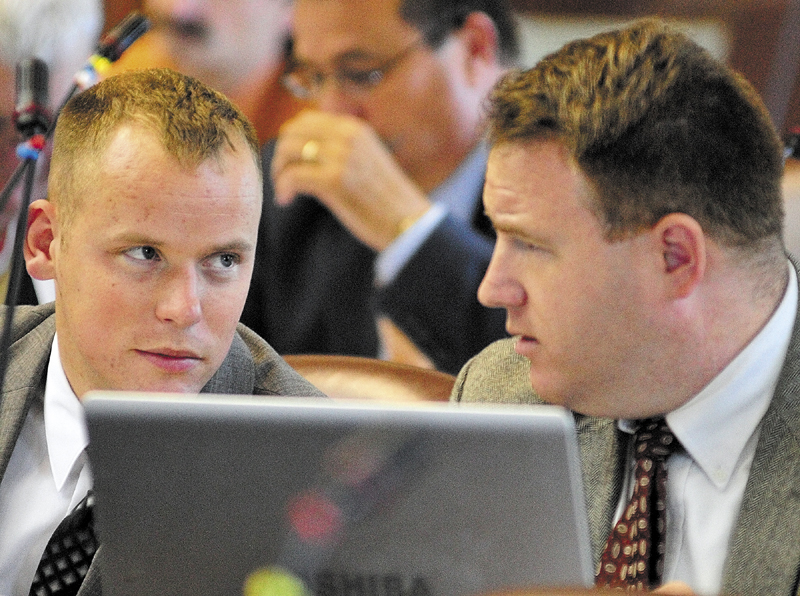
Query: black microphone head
[
  {"x": 31, "y": 114},
  {"x": 120, "y": 38}
]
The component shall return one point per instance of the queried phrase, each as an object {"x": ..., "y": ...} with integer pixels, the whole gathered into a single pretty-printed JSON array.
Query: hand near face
[{"x": 341, "y": 161}]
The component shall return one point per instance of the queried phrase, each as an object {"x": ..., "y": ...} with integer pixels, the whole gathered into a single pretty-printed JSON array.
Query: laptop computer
[{"x": 254, "y": 496}]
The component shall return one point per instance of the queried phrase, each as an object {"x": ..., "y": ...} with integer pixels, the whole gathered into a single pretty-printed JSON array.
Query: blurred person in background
[
  {"x": 376, "y": 241},
  {"x": 238, "y": 47}
]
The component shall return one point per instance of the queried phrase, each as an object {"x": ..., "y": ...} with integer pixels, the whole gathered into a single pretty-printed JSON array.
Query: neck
[{"x": 732, "y": 307}]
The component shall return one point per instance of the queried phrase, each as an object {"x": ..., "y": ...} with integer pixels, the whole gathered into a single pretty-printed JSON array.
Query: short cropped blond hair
[{"x": 193, "y": 122}]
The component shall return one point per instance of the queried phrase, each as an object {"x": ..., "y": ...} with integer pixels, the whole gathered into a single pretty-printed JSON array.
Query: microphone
[
  {"x": 108, "y": 50},
  {"x": 120, "y": 38},
  {"x": 31, "y": 115},
  {"x": 111, "y": 47},
  {"x": 33, "y": 121}
]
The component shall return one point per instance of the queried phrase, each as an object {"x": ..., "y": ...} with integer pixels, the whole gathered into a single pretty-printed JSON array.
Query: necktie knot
[{"x": 654, "y": 440}]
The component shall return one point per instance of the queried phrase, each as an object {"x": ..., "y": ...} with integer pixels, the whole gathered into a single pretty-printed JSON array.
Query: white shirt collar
[
  {"x": 715, "y": 426},
  {"x": 64, "y": 420}
]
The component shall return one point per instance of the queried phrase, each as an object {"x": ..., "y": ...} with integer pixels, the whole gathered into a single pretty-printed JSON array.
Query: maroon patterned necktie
[{"x": 634, "y": 554}]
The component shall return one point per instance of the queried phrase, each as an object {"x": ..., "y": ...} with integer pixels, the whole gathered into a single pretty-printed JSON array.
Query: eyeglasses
[{"x": 306, "y": 82}]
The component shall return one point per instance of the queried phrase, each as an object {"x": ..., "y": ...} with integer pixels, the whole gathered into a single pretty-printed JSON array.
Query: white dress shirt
[
  {"x": 47, "y": 475},
  {"x": 719, "y": 429}
]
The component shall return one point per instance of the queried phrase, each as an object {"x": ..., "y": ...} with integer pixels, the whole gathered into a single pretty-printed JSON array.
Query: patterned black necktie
[
  {"x": 634, "y": 554},
  {"x": 69, "y": 553}
]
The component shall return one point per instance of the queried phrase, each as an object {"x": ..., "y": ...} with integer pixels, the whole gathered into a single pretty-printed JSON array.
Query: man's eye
[
  {"x": 226, "y": 261},
  {"x": 362, "y": 77},
  {"x": 522, "y": 244},
  {"x": 143, "y": 253}
]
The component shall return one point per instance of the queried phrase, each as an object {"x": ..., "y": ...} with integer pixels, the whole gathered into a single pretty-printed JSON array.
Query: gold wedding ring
[{"x": 310, "y": 152}]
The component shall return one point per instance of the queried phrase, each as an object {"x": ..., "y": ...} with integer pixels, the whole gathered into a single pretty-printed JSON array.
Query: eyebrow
[
  {"x": 141, "y": 240},
  {"x": 355, "y": 55},
  {"x": 500, "y": 227},
  {"x": 237, "y": 246},
  {"x": 513, "y": 230}
]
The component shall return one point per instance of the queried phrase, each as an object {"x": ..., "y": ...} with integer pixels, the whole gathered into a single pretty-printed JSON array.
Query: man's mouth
[
  {"x": 525, "y": 344},
  {"x": 171, "y": 360}
]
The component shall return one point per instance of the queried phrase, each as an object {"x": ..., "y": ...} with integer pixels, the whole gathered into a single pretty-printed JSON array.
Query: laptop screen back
[{"x": 233, "y": 495}]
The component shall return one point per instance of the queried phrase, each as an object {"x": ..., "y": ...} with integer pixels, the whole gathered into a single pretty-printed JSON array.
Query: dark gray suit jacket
[
  {"x": 251, "y": 367},
  {"x": 312, "y": 289},
  {"x": 764, "y": 556}
]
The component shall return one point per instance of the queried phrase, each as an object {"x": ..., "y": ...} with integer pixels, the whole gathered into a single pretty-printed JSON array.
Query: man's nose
[
  {"x": 179, "y": 299},
  {"x": 332, "y": 98},
  {"x": 499, "y": 288}
]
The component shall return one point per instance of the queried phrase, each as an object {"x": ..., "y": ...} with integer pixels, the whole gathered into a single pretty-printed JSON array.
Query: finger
[
  {"x": 287, "y": 185},
  {"x": 288, "y": 151}
]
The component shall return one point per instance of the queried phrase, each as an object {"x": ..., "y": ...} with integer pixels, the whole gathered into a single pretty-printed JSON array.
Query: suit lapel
[
  {"x": 25, "y": 376},
  {"x": 603, "y": 452},
  {"x": 237, "y": 374},
  {"x": 765, "y": 546},
  {"x": 603, "y": 448},
  {"x": 13, "y": 410},
  {"x": 91, "y": 585}
]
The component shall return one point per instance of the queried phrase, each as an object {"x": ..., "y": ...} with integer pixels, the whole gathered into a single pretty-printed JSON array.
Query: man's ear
[
  {"x": 481, "y": 42},
  {"x": 38, "y": 246},
  {"x": 682, "y": 246}
]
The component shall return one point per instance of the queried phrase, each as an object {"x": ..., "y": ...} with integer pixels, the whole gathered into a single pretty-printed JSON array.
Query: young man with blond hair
[
  {"x": 634, "y": 184},
  {"x": 149, "y": 235}
]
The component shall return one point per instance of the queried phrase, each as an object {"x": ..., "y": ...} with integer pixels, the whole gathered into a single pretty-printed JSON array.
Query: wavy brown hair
[{"x": 658, "y": 126}]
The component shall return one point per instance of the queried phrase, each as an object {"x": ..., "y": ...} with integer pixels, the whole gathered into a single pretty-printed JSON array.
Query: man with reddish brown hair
[{"x": 634, "y": 184}]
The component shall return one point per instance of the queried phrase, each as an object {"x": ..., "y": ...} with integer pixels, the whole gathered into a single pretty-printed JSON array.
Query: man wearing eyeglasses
[{"x": 393, "y": 156}]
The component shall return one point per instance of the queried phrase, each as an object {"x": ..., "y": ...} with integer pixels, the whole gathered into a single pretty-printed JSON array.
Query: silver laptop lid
[{"x": 238, "y": 495}]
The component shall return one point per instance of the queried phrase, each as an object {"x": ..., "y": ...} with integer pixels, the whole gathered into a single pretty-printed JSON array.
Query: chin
[
  {"x": 552, "y": 395},
  {"x": 168, "y": 386},
  {"x": 190, "y": 388}
]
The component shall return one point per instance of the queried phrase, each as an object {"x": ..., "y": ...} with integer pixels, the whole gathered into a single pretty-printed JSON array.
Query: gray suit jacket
[
  {"x": 764, "y": 555},
  {"x": 251, "y": 367}
]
